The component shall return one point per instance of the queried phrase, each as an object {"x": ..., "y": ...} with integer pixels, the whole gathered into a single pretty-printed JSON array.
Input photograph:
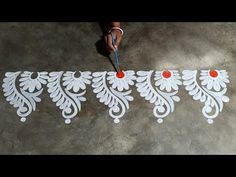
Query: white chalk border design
[
  {"x": 163, "y": 100},
  {"x": 116, "y": 100},
  {"x": 26, "y": 98},
  {"x": 211, "y": 90},
  {"x": 69, "y": 97},
  {"x": 160, "y": 88}
]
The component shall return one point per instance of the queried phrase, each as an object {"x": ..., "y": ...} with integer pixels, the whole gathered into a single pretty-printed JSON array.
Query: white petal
[
  {"x": 174, "y": 86},
  {"x": 163, "y": 85},
  {"x": 23, "y": 79},
  {"x": 86, "y": 81},
  {"x": 158, "y": 82},
  {"x": 110, "y": 78},
  {"x": 86, "y": 74},
  {"x": 31, "y": 86},
  {"x": 222, "y": 83},
  {"x": 210, "y": 84},
  {"x": 68, "y": 74},
  {"x": 76, "y": 86},
  {"x": 216, "y": 85},
  {"x": 225, "y": 80},
  {"x": 111, "y": 73},
  {"x": 66, "y": 78},
  {"x": 25, "y": 87},
  {"x": 82, "y": 85},
  {"x": 178, "y": 82},
  {"x": 114, "y": 85},
  {"x": 143, "y": 73},
  {"x": 120, "y": 86},
  {"x": 42, "y": 80},
  {"x": 130, "y": 82},
  {"x": 111, "y": 81},
  {"x": 204, "y": 82},
  {"x": 141, "y": 79},
  {"x": 38, "y": 85},
  {"x": 203, "y": 77},
  {"x": 24, "y": 83},
  {"x": 126, "y": 86},
  {"x": 70, "y": 85},
  {"x": 67, "y": 81},
  {"x": 168, "y": 87},
  {"x": 129, "y": 73}
]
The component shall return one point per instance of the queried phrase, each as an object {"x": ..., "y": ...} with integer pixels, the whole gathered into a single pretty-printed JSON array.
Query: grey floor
[{"x": 145, "y": 46}]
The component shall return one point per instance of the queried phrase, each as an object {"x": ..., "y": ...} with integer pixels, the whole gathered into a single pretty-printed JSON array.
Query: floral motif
[
  {"x": 117, "y": 101},
  {"x": 76, "y": 83},
  {"x": 216, "y": 79},
  {"x": 123, "y": 82},
  {"x": 21, "y": 99},
  {"x": 67, "y": 90},
  {"x": 68, "y": 102},
  {"x": 167, "y": 80},
  {"x": 213, "y": 100},
  {"x": 164, "y": 102},
  {"x": 29, "y": 83}
]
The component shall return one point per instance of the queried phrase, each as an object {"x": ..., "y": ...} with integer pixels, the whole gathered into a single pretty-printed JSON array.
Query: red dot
[
  {"x": 166, "y": 74},
  {"x": 213, "y": 73},
  {"x": 120, "y": 74}
]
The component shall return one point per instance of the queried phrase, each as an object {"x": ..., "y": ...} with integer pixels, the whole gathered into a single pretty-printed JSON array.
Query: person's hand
[{"x": 117, "y": 34}]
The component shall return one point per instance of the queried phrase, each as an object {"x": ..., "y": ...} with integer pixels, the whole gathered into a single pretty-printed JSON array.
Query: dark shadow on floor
[{"x": 101, "y": 45}]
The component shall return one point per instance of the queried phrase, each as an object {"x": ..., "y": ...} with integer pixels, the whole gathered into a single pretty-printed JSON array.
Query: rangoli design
[
  {"x": 114, "y": 97},
  {"x": 27, "y": 96},
  {"x": 67, "y": 90},
  {"x": 163, "y": 94},
  {"x": 69, "y": 97},
  {"x": 211, "y": 90}
]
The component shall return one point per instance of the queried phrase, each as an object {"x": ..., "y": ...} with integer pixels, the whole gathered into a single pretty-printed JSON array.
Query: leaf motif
[
  {"x": 68, "y": 102},
  {"x": 198, "y": 95},
  {"x": 58, "y": 95},
  {"x": 212, "y": 99},
  {"x": 194, "y": 91},
  {"x": 190, "y": 87},
  {"x": 225, "y": 99},
  {"x": 188, "y": 82},
  {"x": 203, "y": 98},
  {"x": 24, "y": 101},
  {"x": 117, "y": 101},
  {"x": 153, "y": 99},
  {"x": 145, "y": 92},
  {"x": 176, "y": 98},
  {"x": 163, "y": 101},
  {"x": 149, "y": 96}
]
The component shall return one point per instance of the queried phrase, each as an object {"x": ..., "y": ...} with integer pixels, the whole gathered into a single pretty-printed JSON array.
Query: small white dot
[
  {"x": 23, "y": 119},
  {"x": 210, "y": 121},
  {"x": 116, "y": 121},
  {"x": 160, "y": 121},
  {"x": 67, "y": 121}
]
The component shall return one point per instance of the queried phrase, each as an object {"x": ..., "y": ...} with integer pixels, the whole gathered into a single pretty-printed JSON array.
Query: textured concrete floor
[{"x": 146, "y": 46}]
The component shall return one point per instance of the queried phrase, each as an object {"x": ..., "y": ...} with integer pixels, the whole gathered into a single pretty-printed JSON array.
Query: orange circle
[
  {"x": 120, "y": 74},
  {"x": 213, "y": 73},
  {"x": 166, "y": 74}
]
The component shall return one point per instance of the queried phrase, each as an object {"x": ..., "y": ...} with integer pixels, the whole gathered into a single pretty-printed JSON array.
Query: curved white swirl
[
  {"x": 164, "y": 102},
  {"x": 117, "y": 101},
  {"x": 212, "y": 99},
  {"x": 23, "y": 100},
  {"x": 68, "y": 102}
]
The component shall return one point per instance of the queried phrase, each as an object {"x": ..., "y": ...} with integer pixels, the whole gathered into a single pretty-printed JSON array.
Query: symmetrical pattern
[
  {"x": 26, "y": 98},
  {"x": 163, "y": 94},
  {"x": 67, "y": 90},
  {"x": 211, "y": 91},
  {"x": 68, "y": 99},
  {"x": 117, "y": 101}
]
